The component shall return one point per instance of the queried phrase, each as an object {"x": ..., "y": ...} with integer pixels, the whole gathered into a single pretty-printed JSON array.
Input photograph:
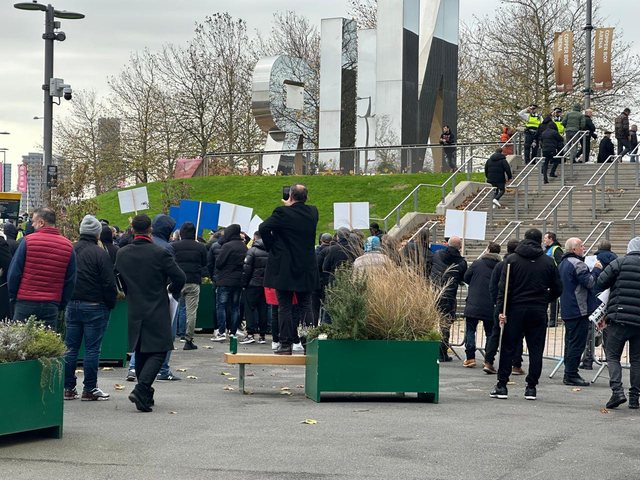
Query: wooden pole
[
  {"x": 504, "y": 306},
  {"x": 133, "y": 199}
]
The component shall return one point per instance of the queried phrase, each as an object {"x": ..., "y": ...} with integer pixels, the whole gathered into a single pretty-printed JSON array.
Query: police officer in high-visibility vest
[
  {"x": 557, "y": 119},
  {"x": 532, "y": 121}
]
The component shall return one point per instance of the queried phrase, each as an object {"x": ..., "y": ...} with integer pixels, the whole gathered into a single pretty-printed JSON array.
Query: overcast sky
[{"x": 99, "y": 45}]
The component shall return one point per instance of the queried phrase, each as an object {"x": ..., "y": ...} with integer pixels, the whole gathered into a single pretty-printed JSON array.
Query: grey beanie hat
[
  {"x": 634, "y": 245},
  {"x": 90, "y": 226}
]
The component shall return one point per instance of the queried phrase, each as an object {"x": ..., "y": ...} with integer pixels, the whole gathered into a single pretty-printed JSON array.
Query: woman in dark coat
[
  {"x": 552, "y": 143},
  {"x": 479, "y": 306}
]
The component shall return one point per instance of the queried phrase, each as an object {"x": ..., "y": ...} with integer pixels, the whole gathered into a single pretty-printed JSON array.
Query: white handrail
[
  {"x": 607, "y": 226},
  {"x": 562, "y": 193}
]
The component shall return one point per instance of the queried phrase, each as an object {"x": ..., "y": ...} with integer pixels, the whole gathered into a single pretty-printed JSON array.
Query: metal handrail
[
  {"x": 523, "y": 178},
  {"x": 429, "y": 225},
  {"x": 633, "y": 219},
  {"x": 567, "y": 151},
  {"x": 466, "y": 165},
  {"x": 480, "y": 197},
  {"x": 598, "y": 177},
  {"x": 515, "y": 227},
  {"x": 605, "y": 232},
  {"x": 556, "y": 201},
  {"x": 635, "y": 153}
]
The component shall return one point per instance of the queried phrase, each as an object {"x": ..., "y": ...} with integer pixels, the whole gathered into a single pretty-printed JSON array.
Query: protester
[
  {"x": 11, "y": 234},
  {"x": 229, "y": 263},
  {"x": 42, "y": 274},
  {"x": 318, "y": 297},
  {"x": 622, "y": 276},
  {"x": 479, "y": 307},
  {"x": 622, "y": 133},
  {"x": 448, "y": 270},
  {"x": 498, "y": 172},
  {"x": 341, "y": 252},
  {"x": 577, "y": 302},
  {"x": 418, "y": 252},
  {"x": 106, "y": 238},
  {"x": 533, "y": 282},
  {"x": 493, "y": 341},
  {"x": 148, "y": 271},
  {"x": 448, "y": 139},
  {"x": 191, "y": 257},
  {"x": 87, "y": 314},
  {"x": 553, "y": 250},
  {"x": 255, "y": 264},
  {"x": 374, "y": 229},
  {"x": 289, "y": 237},
  {"x": 532, "y": 121},
  {"x": 372, "y": 260}
]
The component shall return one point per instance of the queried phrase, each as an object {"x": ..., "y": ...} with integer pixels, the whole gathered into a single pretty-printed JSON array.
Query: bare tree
[{"x": 365, "y": 12}]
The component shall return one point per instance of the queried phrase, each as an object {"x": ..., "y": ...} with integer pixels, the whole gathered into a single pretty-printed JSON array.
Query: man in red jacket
[{"x": 42, "y": 274}]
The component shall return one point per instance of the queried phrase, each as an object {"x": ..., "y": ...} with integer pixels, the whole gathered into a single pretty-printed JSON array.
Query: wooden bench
[{"x": 242, "y": 359}]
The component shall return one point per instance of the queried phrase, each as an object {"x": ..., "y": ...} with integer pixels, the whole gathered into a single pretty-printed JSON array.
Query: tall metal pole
[
  {"x": 48, "y": 37},
  {"x": 587, "y": 78}
]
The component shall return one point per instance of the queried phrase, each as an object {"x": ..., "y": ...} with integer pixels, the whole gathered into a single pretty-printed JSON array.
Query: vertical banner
[
  {"x": 22, "y": 178},
  {"x": 563, "y": 60},
  {"x": 602, "y": 72}
]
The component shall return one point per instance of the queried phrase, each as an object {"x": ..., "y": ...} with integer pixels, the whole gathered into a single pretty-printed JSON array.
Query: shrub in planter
[{"x": 31, "y": 368}]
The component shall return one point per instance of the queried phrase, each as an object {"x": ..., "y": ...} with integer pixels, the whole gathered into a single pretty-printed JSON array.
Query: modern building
[
  {"x": 32, "y": 198},
  {"x": 6, "y": 178}
]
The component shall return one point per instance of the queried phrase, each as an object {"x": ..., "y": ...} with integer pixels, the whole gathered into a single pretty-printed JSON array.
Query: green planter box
[
  {"x": 206, "y": 308},
  {"x": 25, "y": 405},
  {"x": 372, "y": 366},
  {"x": 115, "y": 342}
]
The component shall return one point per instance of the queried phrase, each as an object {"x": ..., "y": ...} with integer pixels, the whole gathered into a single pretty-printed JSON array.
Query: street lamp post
[{"x": 49, "y": 36}]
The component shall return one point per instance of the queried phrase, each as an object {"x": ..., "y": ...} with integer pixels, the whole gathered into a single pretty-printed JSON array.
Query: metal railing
[
  {"x": 506, "y": 233},
  {"x": 604, "y": 228},
  {"x": 633, "y": 156},
  {"x": 522, "y": 180},
  {"x": 429, "y": 225},
  {"x": 598, "y": 178},
  {"x": 565, "y": 193},
  {"x": 567, "y": 152},
  {"x": 634, "y": 219}
]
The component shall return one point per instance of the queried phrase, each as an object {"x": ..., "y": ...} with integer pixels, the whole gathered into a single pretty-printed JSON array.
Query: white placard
[
  {"x": 352, "y": 215},
  {"x": 466, "y": 224},
  {"x": 253, "y": 226},
  {"x": 590, "y": 260},
  {"x": 133, "y": 200},
  {"x": 232, "y": 213}
]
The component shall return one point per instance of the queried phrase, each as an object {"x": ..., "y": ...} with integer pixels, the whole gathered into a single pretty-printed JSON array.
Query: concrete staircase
[{"x": 618, "y": 201}]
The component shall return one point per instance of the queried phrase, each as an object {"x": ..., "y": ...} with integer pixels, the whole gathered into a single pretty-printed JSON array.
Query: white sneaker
[
  {"x": 221, "y": 337},
  {"x": 275, "y": 345},
  {"x": 496, "y": 202},
  {"x": 297, "y": 347}
]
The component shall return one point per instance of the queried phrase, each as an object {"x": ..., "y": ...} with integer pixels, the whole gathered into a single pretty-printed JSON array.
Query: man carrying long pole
[{"x": 533, "y": 283}]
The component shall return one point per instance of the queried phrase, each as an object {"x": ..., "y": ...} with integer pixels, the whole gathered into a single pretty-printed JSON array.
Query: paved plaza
[{"x": 200, "y": 430}]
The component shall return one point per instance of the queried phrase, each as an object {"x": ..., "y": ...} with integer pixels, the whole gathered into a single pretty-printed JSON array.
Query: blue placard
[
  {"x": 209, "y": 214},
  {"x": 174, "y": 212}
]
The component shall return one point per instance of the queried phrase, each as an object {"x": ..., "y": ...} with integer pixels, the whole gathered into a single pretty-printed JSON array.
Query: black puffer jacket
[
  {"x": 96, "y": 282},
  {"x": 496, "y": 168},
  {"x": 337, "y": 254},
  {"x": 230, "y": 261},
  {"x": 212, "y": 254},
  {"x": 479, "y": 304},
  {"x": 255, "y": 263},
  {"x": 448, "y": 270},
  {"x": 534, "y": 280},
  {"x": 622, "y": 276},
  {"x": 552, "y": 141},
  {"x": 191, "y": 257}
]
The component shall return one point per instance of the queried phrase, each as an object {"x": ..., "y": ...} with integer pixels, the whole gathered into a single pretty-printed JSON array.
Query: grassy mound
[{"x": 383, "y": 192}]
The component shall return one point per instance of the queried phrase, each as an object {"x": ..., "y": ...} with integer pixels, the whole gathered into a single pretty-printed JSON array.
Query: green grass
[{"x": 383, "y": 192}]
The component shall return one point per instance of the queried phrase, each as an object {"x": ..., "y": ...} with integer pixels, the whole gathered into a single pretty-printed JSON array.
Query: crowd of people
[{"x": 280, "y": 274}]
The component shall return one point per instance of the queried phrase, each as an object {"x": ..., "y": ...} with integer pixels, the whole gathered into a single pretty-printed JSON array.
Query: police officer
[
  {"x": 532, "y": 121},
  {"x": 557, "y": 119}
]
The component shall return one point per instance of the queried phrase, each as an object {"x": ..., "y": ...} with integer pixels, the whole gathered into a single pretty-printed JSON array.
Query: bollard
[{"x": 233, "y": 345}]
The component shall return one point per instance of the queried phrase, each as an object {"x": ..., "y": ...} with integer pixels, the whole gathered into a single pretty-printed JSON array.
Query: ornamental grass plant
[{"x": 29, "y": 340}]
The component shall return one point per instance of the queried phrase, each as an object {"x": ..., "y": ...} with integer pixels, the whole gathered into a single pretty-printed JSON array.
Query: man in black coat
[
  {"x": 228, "y": 277},
  {"x": 146, "y": 269},
  {"x": 191, "y": 257},
  {"x": 255, "y": 264},
  {"x": 533, "y": 282},
  {"x": 590, "y": 127},
  {"x": 448, "y": 270},
  {"x": 605, "y": 149},
  {"x": 622, "y": 276},
  {"x": 498, "y": 172},
  {"x": 338, "y": 253},
  {"x": 479, "y": 307},
  {"x": 552, "y": 143},
  {"x": 289, "y": 237}
]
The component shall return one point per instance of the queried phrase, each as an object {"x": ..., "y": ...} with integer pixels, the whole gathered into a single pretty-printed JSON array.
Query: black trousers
[
  {"x": 530, "y": 322},
  {"x": 256, "y": 312},
  {"x": 575, "y": 339},
  {"x": 493, "y": 342},
  {"x": 147, "y": 367},
  {"x": 529, "y": 150},
  {"x": 499, "y": 192},
  {"x": 624, "y": 146},
  {"x": 287, "y": 321}
]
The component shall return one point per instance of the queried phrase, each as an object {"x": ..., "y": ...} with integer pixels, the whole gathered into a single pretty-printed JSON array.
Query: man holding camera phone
[
  {"x": 289, "y": 237},
  {"x": 532, "y": 121}
]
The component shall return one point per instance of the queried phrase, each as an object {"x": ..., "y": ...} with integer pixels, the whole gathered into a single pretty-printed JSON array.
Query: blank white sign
[
  {"x": 475, "y": 228},
  {"x": 133, "y": 200},
  {"x": 232, "y": 213},
  {"x": 352, "y": 215}
]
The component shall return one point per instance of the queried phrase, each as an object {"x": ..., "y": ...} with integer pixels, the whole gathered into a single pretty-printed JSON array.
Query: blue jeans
[
  {"x": 228, "y": 298},
  {"x": 181, "y": 315},
  {"x": 470, "y": 334},
  {"x": 46, "y": 312},
  {"x": 86, "y": 321}
]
